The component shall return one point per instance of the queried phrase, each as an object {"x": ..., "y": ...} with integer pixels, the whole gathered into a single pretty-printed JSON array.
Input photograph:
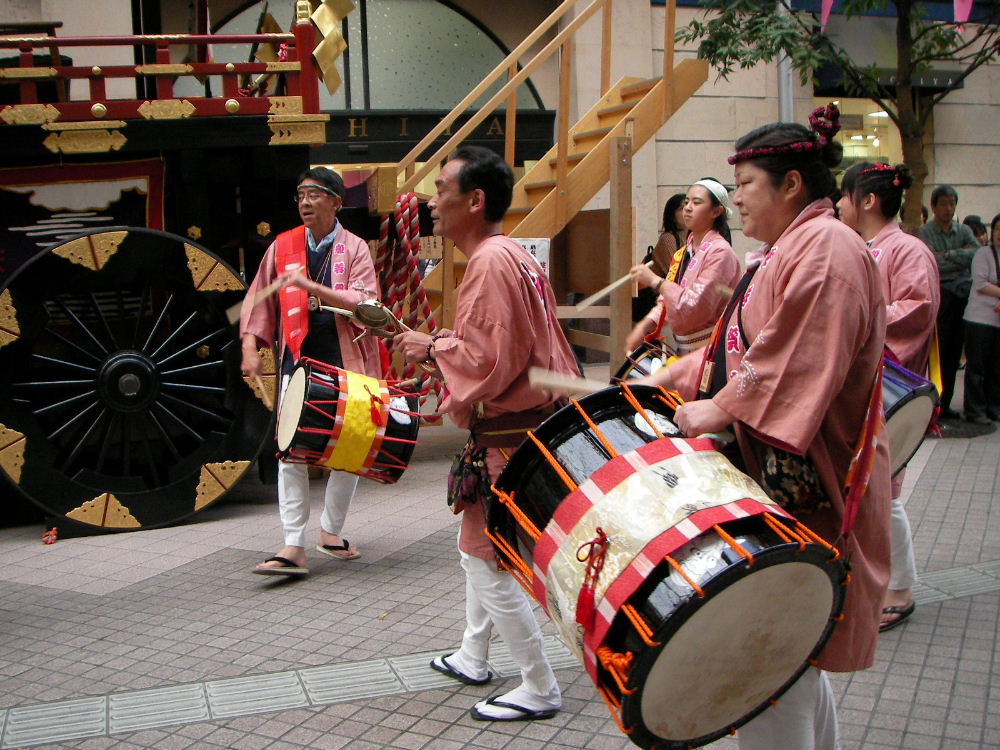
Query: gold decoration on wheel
[
  {"x": 29, "y": 114},
  {"x": 167, "y": 109},
  {"x": 106, "y": 511},
  {"x": 263, "y": 229},
  {"x": 194, "y": 232},
  {"x": 264, "y": 387},
  {"x": 12, "y": 445},
  {"x": 217, "y": 478},
  {"x": 9, "y": 328},
  {"x": 92, "y": 251},
  {"x": 208, "y": 274}
]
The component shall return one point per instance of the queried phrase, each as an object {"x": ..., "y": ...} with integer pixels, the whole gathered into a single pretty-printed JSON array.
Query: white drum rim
[
  {"x": 784, "y": 645},
  {"x": 290, "y": 410}
]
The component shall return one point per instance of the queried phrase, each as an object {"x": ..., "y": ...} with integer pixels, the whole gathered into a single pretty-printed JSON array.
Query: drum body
[
  {"x": 647, "y": 358},
  {"x": 346, "y": 421},
  {"x": 908, "y": 401},
  {"x": 709, "y": 600}
]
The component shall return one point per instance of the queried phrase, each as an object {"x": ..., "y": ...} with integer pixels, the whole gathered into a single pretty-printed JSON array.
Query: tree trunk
[{"x": 911, "y": 129}]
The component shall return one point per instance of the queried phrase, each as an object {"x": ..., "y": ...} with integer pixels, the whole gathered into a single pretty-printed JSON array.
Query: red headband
[
  {"x": 880, "y": 167},
  {"x": 825, "y": 122}
]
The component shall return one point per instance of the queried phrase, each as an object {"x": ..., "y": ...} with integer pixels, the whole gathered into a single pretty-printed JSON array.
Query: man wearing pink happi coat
[{"x": 505, "y": 323}]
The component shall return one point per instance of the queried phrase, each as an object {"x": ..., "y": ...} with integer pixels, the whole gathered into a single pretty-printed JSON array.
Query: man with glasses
[{"x": 319, "y": 260}]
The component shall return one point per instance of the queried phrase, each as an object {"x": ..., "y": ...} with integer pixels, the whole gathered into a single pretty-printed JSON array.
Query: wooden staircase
[
  {"x": 543, "y": 204},
  {"x": 579, "y": 164}
]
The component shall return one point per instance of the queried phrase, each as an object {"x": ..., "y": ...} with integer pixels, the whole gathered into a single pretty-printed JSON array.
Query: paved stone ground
[{"x": 163, "y": 639}]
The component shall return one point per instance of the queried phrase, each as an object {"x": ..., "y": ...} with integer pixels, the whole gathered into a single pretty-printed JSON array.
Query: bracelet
[
  {"x": 656, "y": 289},
  {"x": 430, "y": 348}
]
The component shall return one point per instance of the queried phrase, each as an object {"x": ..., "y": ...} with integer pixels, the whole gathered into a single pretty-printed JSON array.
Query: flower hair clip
[
  {"x": 882, "y": 167},
  {"x": 825, "y": 123}
]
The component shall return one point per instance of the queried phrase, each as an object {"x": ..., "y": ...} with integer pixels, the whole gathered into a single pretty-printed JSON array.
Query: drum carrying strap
[
  {"x": 860, "y": 470},
  {"x": 712, "y": 377},
  {"x": 678, "y": 264}
]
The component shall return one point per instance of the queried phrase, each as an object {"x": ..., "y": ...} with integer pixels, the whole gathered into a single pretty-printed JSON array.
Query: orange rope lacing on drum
[
  {"x": 640, "y": 625},
  {"x": 556, "y": 466},
  {"x": 519, "y": 515},
  {"x": 690, "y": 581},
  {"x": 630, "y": 397},
  {"x": 737, "y": 547},
  {"x": 593, "y": 428},
  {"x": 670, "y": 398},
  {"x": 617, "y": 666},
  {"x": 614, "y": 707},
  {"x": 516, "y": 567},
  {"x": 399, "y": 275}
]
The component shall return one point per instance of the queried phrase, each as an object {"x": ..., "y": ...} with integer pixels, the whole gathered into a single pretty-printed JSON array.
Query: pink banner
[
  {"x": 827, "y": 6},
  {"x": 962, "y": 10}
]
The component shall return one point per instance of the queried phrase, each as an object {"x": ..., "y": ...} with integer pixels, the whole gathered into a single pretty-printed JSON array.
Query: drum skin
[
  {"x": 647, "y": 358},
  {"x": 908, "y": 402},
  {"x": 718, "y": 651}
]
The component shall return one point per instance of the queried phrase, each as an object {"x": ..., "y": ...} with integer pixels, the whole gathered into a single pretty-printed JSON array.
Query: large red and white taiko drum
[
  {"x": 347, "y": 421},
  {"x": 692, "y": 599}
]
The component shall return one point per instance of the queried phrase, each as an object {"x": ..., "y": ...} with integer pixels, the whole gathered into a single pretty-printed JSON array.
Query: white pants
[
  {"x": 494, "y": 599},
  {"x": 805, "y": 718},
  {"x": 293, "y": 501},
  {"x": 903, "y": 572},
  {"x": 293, "y": 498}
]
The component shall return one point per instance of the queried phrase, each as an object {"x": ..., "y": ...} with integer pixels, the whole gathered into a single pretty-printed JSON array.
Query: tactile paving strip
[
  {"x": 348, "y": 682},
  {"x": 253, "y": 695},
  {"x": 55, "y": 722},
  {"x": 184, "y": 704}
]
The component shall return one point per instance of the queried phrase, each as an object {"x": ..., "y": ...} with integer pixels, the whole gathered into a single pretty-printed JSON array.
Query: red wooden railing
[{"x": 297, "y": 67}]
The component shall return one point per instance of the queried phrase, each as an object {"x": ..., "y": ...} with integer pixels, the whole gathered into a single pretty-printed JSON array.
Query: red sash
[{"x": 290, "y": 255}]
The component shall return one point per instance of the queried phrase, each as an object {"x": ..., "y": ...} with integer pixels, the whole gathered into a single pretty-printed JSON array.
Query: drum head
[
  {"x": 742, "y": 646},
  {"x": 906, "y": 427},
  {"x": 290, "y": 411}
]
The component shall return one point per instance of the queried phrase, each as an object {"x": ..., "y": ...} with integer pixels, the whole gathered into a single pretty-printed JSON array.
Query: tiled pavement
[{"x": 162, "y": 639}]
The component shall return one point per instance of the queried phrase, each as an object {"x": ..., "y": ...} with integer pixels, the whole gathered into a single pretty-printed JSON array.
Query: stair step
[
  {"x": 616, "y": 109},
  {"x": 519, "y": 210},
  {"x": 638, "y": 89},
  {"x": 570, "y": 158},
  {"x": 542, "y": 185},
  {"x": 591, "y": 134}
]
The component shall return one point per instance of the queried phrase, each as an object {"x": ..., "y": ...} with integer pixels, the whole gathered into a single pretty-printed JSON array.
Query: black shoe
[
  {"x": 994, "y": 417},
  {"x": 949, "y": 414},
  {"x": 978, "y": 419}
]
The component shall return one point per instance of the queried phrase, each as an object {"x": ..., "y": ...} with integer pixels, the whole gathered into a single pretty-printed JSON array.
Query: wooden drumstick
[
  {"x": 556, "y": 382},
  {"x": 584, "y": 304},
  {"x": 233, "y": 313},
  {"x": 264, "y": 395}
]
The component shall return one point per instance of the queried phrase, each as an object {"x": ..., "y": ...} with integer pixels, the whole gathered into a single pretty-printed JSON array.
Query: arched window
[{"x": 402, "y": 54}]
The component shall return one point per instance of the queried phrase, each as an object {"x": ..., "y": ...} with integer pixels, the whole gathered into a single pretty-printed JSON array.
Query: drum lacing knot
[
  {"x": 617, "y": 666},
  {"x": 376, "y": 408},
  {"x": 592, "y": 553}
]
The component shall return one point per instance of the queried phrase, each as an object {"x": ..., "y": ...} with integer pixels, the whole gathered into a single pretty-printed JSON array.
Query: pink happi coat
[
  {"x": 696, "y": 302},
  {"x": 351, "y": 269},
  {"x": 505, "y": 323},
  {"x": 814, "y": 317},
  {"x": 912, "y": 288}
]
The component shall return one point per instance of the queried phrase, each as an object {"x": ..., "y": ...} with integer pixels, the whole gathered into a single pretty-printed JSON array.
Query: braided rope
[{"x": 399, "y": 273}]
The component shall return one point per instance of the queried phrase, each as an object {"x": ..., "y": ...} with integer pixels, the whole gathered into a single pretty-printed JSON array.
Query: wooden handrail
[{"x": 407, "y": 164}]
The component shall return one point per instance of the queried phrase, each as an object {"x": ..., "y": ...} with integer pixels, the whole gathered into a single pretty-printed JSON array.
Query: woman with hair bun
[
  {"x": 872, "y": 195},
  {"x": 701, "y": 274},
  {"x": 794, "y": 367}
]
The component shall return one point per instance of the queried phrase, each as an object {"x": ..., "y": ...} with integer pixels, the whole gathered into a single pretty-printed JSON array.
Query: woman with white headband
[{"x": 701, "y": 276}]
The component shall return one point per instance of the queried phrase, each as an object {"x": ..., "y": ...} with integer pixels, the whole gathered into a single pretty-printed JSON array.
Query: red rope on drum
[{"x": 399, "y": 275}]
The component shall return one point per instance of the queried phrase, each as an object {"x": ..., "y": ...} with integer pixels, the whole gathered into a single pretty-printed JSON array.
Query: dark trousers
[
  {"x": 951, "y": 336},
  {"x": 982, "y": 370}
]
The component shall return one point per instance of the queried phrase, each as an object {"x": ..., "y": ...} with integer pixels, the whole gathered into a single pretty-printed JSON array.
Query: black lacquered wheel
[{"x": 124, "y": 406}]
